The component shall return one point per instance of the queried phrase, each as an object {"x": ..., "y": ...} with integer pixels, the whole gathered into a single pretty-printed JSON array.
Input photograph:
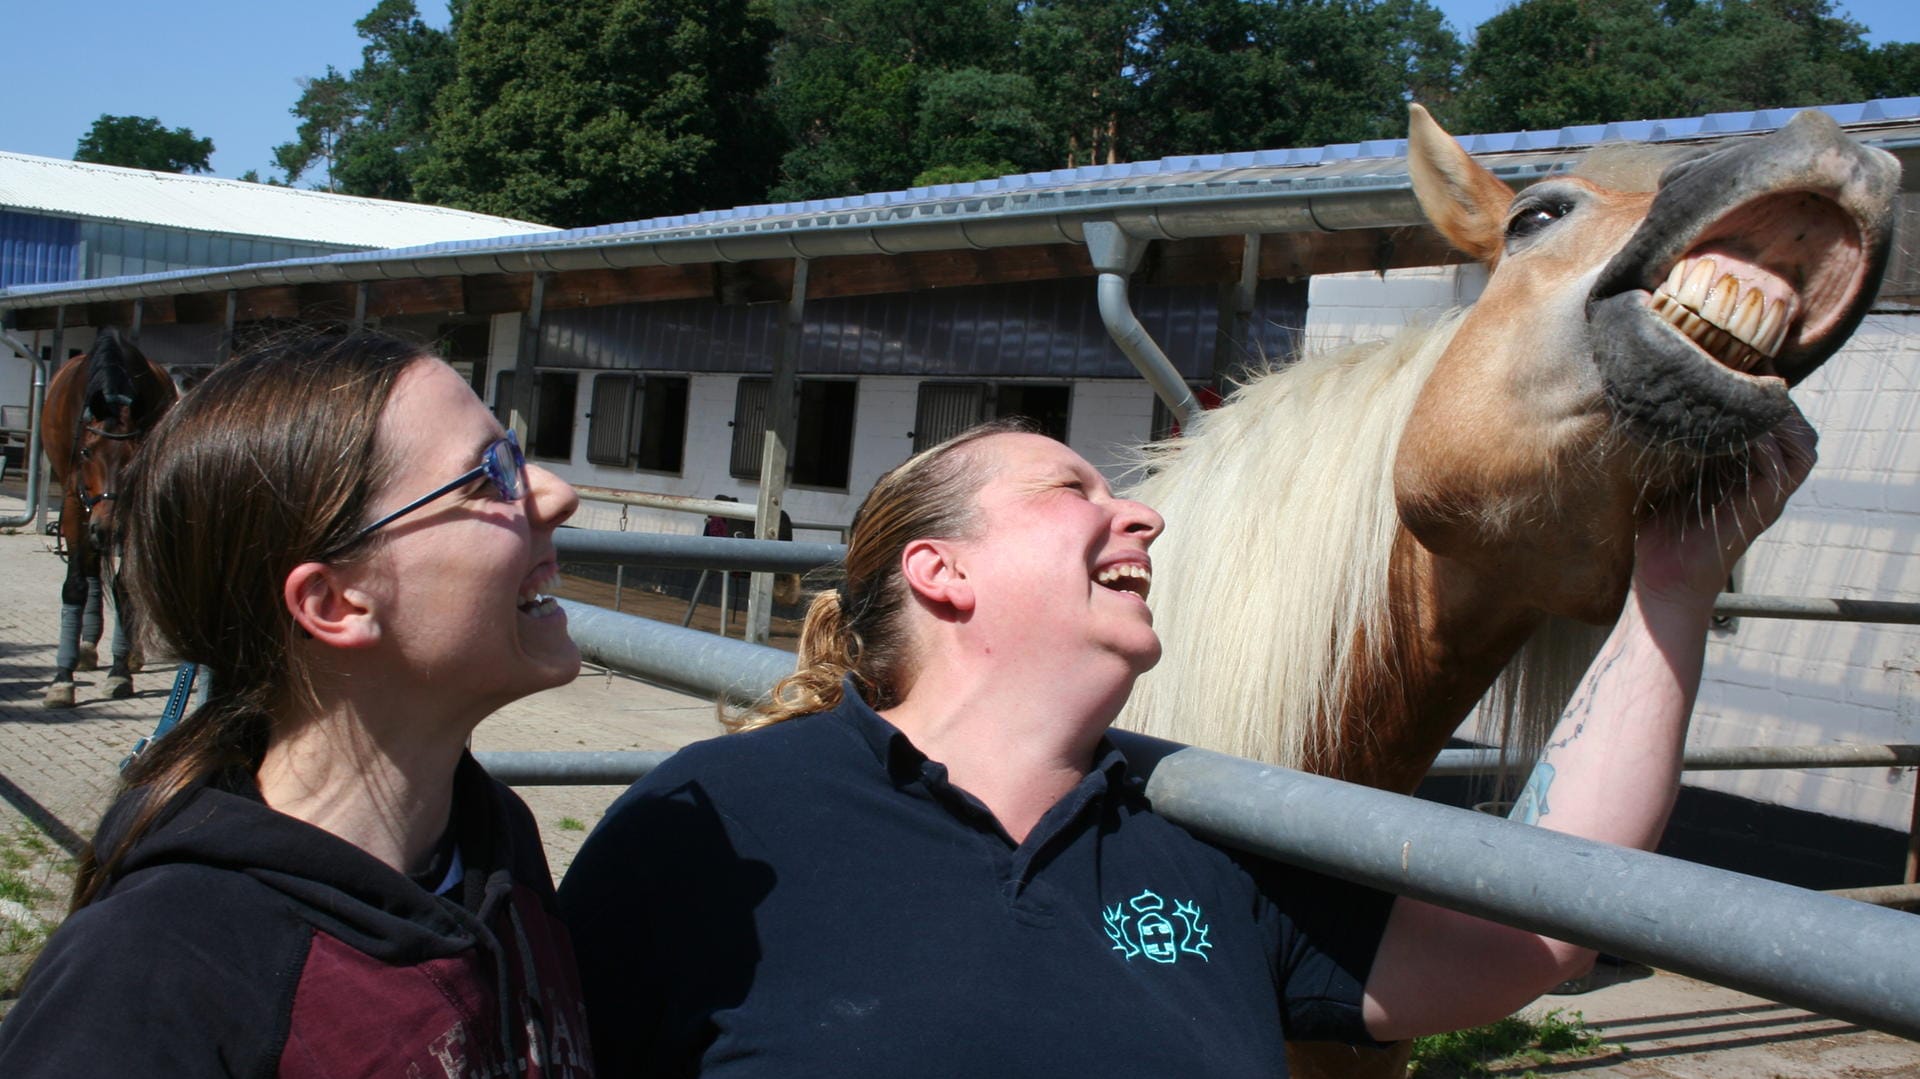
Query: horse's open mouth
[
  {"x": 1764, "y": 288},
  {"x": 1753, "y": 265}
]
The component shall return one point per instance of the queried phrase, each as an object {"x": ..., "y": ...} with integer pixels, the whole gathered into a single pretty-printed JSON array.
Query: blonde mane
[{"x": 1280, "y": 525}]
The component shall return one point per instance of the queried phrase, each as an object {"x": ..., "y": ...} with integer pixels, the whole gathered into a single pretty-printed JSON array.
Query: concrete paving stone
[{"x": 57, "y": 772}]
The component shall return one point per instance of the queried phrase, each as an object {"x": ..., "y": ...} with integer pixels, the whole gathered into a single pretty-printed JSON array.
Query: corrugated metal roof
[
  {"x": 51, "y": 186},
  {"x": 1342, "y": 186}
]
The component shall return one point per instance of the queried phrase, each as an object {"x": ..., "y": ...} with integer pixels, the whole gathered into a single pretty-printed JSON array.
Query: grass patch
[
  {"x": 572, "y": 824},
  {"x": 1512, "y": 1042}
]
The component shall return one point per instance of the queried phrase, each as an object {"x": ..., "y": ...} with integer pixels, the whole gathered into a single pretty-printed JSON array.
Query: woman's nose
[
  {"x": 1139, "y": 519},
  {"x": 550, "y": 499}
]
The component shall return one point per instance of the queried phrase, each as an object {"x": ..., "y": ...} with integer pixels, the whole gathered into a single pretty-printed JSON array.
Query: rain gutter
[{"x": 35, "y": 466}]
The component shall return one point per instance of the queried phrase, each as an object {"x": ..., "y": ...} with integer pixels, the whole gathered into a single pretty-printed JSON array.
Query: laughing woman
[{"x": 310, "y": 875}]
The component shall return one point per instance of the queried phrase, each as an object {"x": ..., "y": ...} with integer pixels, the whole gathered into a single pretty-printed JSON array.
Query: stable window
[
  {"x": 663, "y": 424},
  {"x": 610, "y": 419},
  {"x": 823, "y": 436},
  {"x": 552, "y": 434},
  {"x": 945, "y": 409}
]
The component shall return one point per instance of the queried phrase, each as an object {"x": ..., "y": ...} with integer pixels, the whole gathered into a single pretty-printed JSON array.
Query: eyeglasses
[{"x": 502, "y": 464}]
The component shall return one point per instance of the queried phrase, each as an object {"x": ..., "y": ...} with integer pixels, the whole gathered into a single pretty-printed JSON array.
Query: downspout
[
  {"x": 1116, "y": 255},
  {"x": 36, "y": 468}
]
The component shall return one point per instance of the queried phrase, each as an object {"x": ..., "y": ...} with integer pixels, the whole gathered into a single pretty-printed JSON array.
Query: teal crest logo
[{"x": 1141, "y": 926}]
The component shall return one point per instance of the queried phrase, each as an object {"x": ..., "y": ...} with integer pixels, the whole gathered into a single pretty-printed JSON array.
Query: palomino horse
[
  {"x": 1360, "y": 542},
  {"x": 99, "y": 408}
]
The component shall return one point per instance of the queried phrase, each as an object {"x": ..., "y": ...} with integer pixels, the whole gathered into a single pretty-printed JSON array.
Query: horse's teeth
[
  {"x": 1722, "y": 300},
  {"x": 1773, "y": 329},
  {"x": 1677, "y": 278},
  {"x": 1745, "y": 323},
  {"x": 1693, "y": 291}
]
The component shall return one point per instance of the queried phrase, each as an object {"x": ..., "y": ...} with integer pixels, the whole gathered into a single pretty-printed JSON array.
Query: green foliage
[
  {"x": 870, "y": 93},
  {"x": 140, "y": 142},
  {"x": 572, "y": 824},
  {"x": 370, "y": 131},
  {"x": 1511, "y": 1041},
  {"x": 1550, "y": 63},
  {"x": 1890, "y": 70},
  {"x": 581, "y": 112},
  {"x": 1229, "y": 76}
]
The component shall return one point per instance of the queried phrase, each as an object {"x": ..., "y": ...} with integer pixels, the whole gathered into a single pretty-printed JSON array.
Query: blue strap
[{"x": 177, "y": 699}]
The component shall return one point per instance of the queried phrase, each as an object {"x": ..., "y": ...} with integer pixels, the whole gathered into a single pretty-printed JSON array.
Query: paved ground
[{"x": 57, "y": 770}]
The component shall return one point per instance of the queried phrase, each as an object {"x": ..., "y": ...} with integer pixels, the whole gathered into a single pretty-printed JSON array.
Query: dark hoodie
[{"x": 235, "y": 940}]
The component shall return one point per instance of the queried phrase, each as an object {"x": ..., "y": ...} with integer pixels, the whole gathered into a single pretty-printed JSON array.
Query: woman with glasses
[{"x": 310, "y": 875}]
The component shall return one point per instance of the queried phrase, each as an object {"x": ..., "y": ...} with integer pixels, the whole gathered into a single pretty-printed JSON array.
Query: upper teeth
[
  {"x": 1112, "y": 574},
  {"x": 1732, "y": 319}
]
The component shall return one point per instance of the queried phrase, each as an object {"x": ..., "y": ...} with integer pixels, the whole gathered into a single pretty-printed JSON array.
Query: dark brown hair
[
  {"x": 270, "y": 461},
  {"x": 860, "y": 629}
]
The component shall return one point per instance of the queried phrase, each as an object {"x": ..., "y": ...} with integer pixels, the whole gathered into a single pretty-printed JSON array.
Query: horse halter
[{"x": 88, "y": 501}]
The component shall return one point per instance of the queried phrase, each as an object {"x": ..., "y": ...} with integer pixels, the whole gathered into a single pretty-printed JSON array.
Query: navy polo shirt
[{"x": 816, "y": 898}]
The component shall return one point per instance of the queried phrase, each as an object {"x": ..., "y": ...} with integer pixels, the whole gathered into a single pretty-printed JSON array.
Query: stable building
[{"x": 660, "y": 356}]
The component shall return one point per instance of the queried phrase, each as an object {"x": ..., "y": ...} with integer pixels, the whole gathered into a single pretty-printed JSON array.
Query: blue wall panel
[{"x": 36, "y": 250}]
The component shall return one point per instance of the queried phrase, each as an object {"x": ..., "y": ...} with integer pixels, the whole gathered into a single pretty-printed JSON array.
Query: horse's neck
[{"x": 1450, "y": 633}]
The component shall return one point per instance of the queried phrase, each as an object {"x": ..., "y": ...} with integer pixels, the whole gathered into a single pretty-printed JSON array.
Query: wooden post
[
  {"x": 1232, "y": 330},
  {"x": 525, "y": 359},
  {"x": 226, "y": 328},
  {"x": 776, "y": 454}
]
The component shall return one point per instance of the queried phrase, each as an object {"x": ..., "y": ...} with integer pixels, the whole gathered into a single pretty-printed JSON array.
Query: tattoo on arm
[{"x": 1531, "y": 805}]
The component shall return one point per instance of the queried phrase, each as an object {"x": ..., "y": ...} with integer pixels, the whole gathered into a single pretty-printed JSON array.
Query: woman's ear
[
  {"x": 930, "y": 570},
  {"x": 327, "y": 610}
]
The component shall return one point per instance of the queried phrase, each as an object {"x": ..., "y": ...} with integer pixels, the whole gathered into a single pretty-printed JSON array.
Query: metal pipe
[
  {"x": 693, "y": 552},
  {"x": 571, "y": 769},
  {"x": 36, "y": 468},
  {"x": 1461, "y": 762},
  {"x": 1116, "y": 255},
  {"x": 1830, "y": 956},
  {"x": 1816, "y": 609},
  {"x": 733, "y": 511},
  {"x": 686, "y": 660}
]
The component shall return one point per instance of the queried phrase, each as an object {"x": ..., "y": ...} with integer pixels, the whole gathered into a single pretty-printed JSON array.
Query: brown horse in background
[
  {"x": 99, "y": 409},
  {"x": 1360, "y": 543}
]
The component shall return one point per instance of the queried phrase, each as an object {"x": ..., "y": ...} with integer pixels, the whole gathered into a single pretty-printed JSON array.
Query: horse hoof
[
  {"x": 119, "y": 687},
  {"x": 59, "y": 695},
  {"x": 87, "y": 657},
  {"x": 136, "y": 661}
]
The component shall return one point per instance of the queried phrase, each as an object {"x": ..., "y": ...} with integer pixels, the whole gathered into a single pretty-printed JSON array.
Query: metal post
[
  {"x": 360, "y": 306},
  {"x": 35, "y": 464},
  {"x": 54, "y": 364},
  {"x": 525, "y": 360},
  {"x": 1912, "y": 875},
  {"x": 776, "y": 455},
  {"x": 139, "y": 316}
]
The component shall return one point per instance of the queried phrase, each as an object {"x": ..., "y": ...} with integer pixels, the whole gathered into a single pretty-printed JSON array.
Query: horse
[
  {"x": 99, "y": 408},
  {"x": 1362, "y": 543}
]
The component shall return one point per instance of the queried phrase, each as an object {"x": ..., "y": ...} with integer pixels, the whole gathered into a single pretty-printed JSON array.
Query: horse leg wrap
[
  {"x": 93, "y": 624},
  {"x": 67, "y": 655}
]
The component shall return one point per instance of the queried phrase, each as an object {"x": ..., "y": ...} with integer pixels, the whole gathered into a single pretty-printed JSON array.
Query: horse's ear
[{"x": 1464, "y": 201}]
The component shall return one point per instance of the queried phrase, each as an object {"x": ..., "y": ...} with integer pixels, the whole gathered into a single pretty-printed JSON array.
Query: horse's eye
[{"x": 1535, "y": 216}]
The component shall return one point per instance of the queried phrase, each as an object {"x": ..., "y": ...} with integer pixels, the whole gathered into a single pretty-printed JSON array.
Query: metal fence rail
[{"x": 1833, "y": 956}]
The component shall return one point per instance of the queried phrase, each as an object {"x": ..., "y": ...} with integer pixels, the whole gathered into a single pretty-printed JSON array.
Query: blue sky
[{"x": 229, "y": 69}]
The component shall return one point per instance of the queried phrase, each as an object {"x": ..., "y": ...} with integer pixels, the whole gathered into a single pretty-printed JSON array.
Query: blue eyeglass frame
[{"x": 509, "y": 484}]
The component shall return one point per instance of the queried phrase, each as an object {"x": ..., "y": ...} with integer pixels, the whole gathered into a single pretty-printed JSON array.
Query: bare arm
[{"x": 1612, "y": 765}]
